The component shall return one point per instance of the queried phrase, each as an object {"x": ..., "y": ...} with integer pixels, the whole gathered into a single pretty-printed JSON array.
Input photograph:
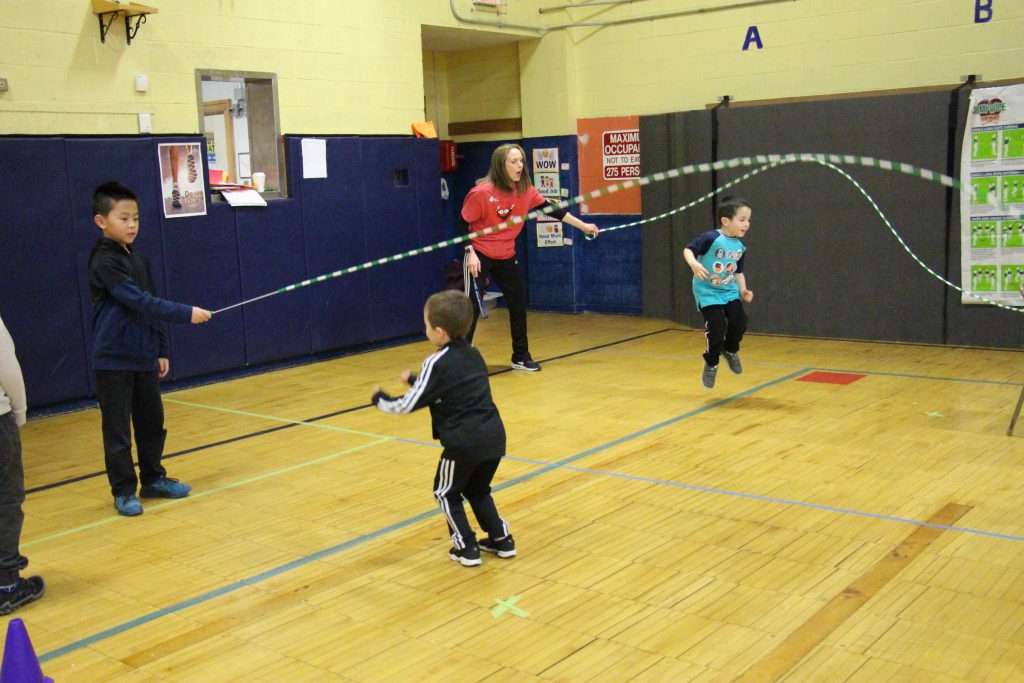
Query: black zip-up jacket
[
  {"x": 453, "y": 382},
  {"x": 127, "y": 316}
]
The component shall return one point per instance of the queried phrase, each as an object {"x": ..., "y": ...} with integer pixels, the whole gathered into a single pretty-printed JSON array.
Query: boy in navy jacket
[
  {"x": 453, "y": 382},
  {"x": 130, "y": 352}
]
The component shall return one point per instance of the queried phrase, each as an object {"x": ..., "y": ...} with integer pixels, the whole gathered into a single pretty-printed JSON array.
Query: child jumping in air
[{"x": 719, "y": 286}]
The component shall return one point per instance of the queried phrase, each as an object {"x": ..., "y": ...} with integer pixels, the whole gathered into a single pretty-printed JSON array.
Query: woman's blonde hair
[{"x": 497, "y": 175}]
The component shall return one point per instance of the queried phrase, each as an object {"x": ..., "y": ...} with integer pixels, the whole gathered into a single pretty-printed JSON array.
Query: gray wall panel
[
  {"x": 821, "y": 261},
  {"x": 826, "y": 263}
]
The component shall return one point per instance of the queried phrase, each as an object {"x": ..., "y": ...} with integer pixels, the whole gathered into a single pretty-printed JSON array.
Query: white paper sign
[
  {"x": 545, "y": 160},
  {"x": 314, "y": 158},
  {"x": 548, "y": 184},
  {"x": 243, "y": 198},
  {"x": 549, "y": 234}
]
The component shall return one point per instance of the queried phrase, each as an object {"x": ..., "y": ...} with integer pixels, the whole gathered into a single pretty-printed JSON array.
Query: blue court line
[
  {"x": 326, "y": 552},
  {"x": 782, "y": 501},
  {"x": 738, "y": 494},
  {"x": 546, "y": 467},
  {"x": 232, "y": 587},
  {"x": 647, "y": 430}
]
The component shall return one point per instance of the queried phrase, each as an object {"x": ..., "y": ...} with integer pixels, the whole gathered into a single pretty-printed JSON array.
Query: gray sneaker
[
  {"x": 733, "y": 359},
  {"x": 708, "y": 378}
]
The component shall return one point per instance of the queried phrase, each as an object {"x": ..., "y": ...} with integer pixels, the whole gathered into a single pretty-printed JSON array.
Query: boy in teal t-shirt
[{"x": 719, "y": 286}]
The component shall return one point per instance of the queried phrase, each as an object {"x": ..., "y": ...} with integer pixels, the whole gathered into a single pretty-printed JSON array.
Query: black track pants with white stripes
[
  {"x": 459, "y": 478},
  {"x": 724, "y": 326}
]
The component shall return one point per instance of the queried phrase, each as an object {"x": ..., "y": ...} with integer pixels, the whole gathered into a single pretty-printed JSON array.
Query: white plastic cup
[{"x": 260, "y": 181}]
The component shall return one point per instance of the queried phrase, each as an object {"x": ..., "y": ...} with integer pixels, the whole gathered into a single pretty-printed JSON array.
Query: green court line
[
  {"x": 206, "y": 492},
  {"x": 273, "y": 418}
]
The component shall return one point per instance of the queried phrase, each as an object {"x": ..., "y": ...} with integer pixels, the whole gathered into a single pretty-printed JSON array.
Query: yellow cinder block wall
[
  {"x": 358, "y": 66},
  {"x": 342, "y": 66},
  {"x": 811, "y": 48}
]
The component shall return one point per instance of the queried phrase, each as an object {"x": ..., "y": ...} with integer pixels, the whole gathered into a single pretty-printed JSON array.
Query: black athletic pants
[
  {"x": 458, "y": 477},
  {"x": 131, "y": 399},
  {"x": 724, "y": 326},
  {"x": 510, "y": 281}
]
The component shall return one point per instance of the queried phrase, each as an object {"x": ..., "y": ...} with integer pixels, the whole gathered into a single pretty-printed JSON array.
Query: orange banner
[{"x": 609, "y": 153}]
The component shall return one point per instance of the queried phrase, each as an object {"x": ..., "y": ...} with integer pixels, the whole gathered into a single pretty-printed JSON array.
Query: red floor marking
[{"x": 830, "y": 377}]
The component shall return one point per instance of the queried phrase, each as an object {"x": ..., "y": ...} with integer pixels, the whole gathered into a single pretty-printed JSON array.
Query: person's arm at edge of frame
[{"x": 11, "y": 380}]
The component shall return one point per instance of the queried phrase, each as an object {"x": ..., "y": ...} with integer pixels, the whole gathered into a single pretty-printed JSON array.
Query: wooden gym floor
[{"x": 863, "y": 527}]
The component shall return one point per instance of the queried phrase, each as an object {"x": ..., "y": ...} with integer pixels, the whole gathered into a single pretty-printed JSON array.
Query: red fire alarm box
[{"x": 449, "y": 156}]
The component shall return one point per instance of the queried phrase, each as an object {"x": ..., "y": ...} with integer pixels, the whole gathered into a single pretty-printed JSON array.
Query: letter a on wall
[{"x": 752, "y": 37}]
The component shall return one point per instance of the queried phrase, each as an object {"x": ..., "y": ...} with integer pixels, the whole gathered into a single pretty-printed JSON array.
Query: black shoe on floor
[
  {"x": 467, "y": 557},
  {"x": 506, "y": 547},
  {"x": 24, "y": 592},
  {"x": 528, "y": 364}
]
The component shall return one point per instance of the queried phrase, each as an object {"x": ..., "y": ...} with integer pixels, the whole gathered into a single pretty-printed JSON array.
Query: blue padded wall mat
[
  {"x": 552, "y": 270},
  {"x": 610, "y": 268},
  {"x": 41, "y": 304},
  {"x": 390, "y": 216},
  {"x": 433, "y": 227},
  {"x": 201, "y": 259},
  {"x": 335, "y": 238},
  {"x": 271, "y": 254}
]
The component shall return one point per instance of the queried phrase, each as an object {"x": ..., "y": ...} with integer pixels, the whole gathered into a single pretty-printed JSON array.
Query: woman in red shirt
[{"x": 505, "y": 193}]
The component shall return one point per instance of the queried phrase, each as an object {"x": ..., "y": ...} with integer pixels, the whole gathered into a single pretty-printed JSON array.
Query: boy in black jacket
[
  {"x": 130, "y": 352},
  {"x": 453, "y": 382}
]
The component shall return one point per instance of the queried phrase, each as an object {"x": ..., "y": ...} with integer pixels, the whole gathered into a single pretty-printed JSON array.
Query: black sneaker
[
  {"x": 24, "y": 592},
  {"x": 528, "y": 364},
  {"x": 733, "y": 359},
  {"x": 467, "y": 557},
  {"x": 506, "y": 547}
]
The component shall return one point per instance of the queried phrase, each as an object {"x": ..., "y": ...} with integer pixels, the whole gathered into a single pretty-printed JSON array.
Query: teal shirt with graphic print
[{"x": 722, "y": 256}]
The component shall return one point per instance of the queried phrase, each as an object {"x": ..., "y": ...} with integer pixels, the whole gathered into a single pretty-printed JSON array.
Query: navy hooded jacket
[{"x": 127, "y": 316}]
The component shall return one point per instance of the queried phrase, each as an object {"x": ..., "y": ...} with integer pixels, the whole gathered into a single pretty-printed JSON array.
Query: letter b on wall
[{"x": 982, "y": 11}]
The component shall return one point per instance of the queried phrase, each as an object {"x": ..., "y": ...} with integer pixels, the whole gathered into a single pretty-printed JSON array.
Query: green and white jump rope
[{"x": 764, "y": 162}]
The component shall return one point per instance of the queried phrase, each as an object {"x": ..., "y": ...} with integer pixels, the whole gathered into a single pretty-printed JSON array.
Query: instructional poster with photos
[
  {"x": 992, "y": 204},
  {"x": 182, "y": 186}
]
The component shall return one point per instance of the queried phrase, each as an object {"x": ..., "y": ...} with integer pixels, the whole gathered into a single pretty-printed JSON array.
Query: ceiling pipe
[
  {"x": 614, "y": 22},
  {"x": 496, "y": 24},
  {"x": 552, "y": 8}
]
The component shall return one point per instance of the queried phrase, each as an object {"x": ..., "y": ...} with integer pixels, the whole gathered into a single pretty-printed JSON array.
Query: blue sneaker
[
  {"x": 129, "y": 505},
  {"x": 165, "y": 487}
]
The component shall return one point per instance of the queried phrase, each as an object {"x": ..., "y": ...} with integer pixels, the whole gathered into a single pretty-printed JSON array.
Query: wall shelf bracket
[
  {"x": 108, "y": 10},
  {"x": 104, "y": 27},
  {"x": 140, "y": 19}
]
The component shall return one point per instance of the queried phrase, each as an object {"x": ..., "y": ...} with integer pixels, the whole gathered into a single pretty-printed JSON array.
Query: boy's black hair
[
  {"x": 109, "y": 193},
  {"x": 451, "y": 311},
  {"x": 728, "y": 206}
]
